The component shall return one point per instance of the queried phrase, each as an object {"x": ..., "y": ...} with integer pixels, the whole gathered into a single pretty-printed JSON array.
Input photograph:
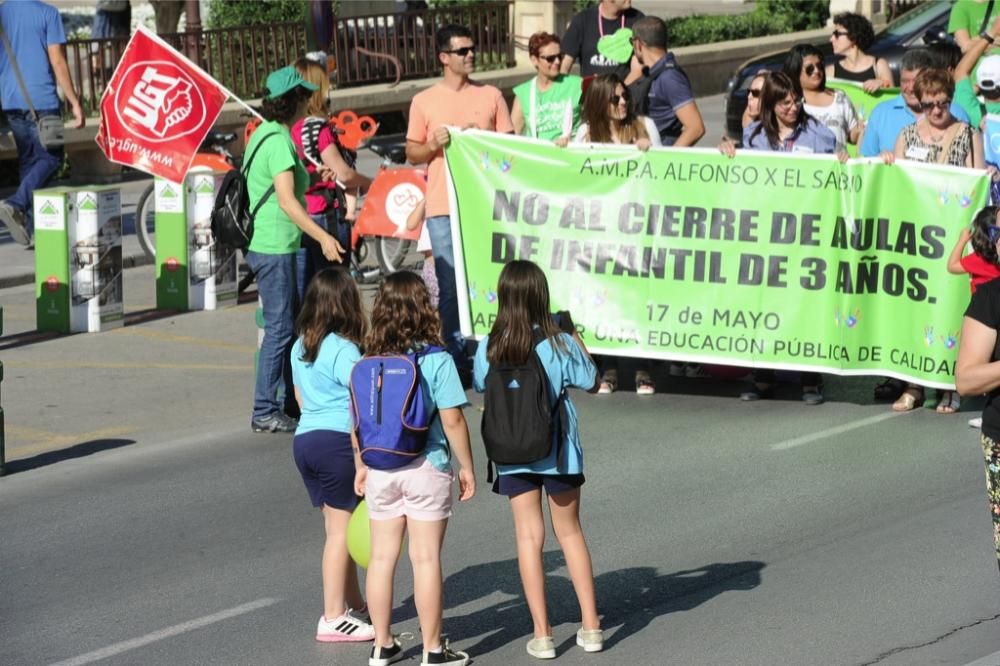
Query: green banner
[
  {"x": 864, "y": 102},
  {"x": 763, "y": 260}
]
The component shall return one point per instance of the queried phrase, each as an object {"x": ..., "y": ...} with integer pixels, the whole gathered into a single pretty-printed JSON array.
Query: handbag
[{"x": 51, "y": 129}]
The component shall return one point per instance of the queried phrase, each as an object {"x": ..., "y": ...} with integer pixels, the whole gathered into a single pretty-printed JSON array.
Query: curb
[{"x": 129, "y": 261}]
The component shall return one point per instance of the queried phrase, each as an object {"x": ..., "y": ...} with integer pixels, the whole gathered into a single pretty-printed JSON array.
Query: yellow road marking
[
  {"x": 44, "y": 441},
  {"x": 183, "y": 339}
]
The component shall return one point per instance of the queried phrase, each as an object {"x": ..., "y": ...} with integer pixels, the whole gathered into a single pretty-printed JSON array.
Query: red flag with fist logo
[{"x": 157, "y": 108}]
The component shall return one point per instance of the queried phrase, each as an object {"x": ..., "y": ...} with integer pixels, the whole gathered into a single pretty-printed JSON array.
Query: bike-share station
[
  {"x": 78, "y": 259},
  {"x": 193, "y": 272}
]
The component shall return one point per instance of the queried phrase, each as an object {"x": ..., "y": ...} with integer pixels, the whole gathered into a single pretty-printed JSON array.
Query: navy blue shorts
[
  {"x": 326, "y": 462},
  {"x": 512, "y": 485}
]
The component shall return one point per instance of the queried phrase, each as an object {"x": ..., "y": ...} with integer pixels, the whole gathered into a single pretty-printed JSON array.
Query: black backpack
[
  {"x": 639, "y": 89},
  {"x": 519, "y": 422},
  {"x": 232, "y": 219}
]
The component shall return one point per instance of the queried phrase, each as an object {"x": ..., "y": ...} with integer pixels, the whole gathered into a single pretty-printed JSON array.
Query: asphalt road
[{"x": 143, "y": 523}]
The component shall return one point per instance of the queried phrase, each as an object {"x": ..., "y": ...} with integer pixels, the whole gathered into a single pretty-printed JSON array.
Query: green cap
[{"x": 282, "y": 80}]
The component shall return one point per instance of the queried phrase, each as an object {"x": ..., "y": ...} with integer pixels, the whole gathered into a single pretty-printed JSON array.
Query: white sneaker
[
  {"x": 976, "y": 422},
  {"x": 542, "y": 648},
  {"x": 344, "y": 629},
  {"x": 591, "y": 640}
]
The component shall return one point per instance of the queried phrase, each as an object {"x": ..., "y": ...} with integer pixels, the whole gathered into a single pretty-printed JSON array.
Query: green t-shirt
[
  {"x": 273, "y": 231},
  {"x": 969, "y": 15},
  {"x": 557, "y": 104},
  {"x": 965, "y": 97}
]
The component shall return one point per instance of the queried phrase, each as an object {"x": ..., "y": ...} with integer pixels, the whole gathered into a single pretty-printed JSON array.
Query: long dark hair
[
  {"x": 523, "y": 303},
  {"x": 776, "y": 88},
  {"x": 332, "y": 305},
  {"x": 982, "y": 244},
  {"x": 596, "y": 102},
  {"x": 795, "y": 61},
  {"x": 403, "y": 317}
]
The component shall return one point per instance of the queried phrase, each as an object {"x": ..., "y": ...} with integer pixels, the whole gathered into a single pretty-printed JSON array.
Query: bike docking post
[
  {"x": 78, "y": 259},
  {"x": 192, "y": 271}
]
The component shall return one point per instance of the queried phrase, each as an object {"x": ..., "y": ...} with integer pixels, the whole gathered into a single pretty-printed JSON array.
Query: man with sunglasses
[
  {"x": 664, "y": 91},
  {"x": 889, "y": 118},
  {"x": 455, "y": 101}
]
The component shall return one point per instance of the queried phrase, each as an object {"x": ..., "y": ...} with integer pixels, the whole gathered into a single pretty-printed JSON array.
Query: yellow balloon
[{"x": 359, "y": 536}]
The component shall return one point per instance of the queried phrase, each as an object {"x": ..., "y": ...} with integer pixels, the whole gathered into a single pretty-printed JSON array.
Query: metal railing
[
  {"x": 408, "y": 38},
  {"x": 240, "y": 58}
]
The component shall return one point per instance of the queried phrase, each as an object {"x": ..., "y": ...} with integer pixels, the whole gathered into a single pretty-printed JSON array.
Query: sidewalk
[{"x": 17, "y": 265}]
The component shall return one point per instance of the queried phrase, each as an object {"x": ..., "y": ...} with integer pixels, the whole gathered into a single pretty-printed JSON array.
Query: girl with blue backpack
[
  {"x": 330, "y": 327},
  {"x": 414, "y": 495},
  {"x": 524, "y": 332}
]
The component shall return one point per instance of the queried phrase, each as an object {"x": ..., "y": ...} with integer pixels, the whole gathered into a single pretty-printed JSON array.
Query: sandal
[
  {"x": 949, "y": 402},
  {"x": 609, "y": 384},
  {"x": 912, "y": 397},
  {"x": 644, "y": 384}
]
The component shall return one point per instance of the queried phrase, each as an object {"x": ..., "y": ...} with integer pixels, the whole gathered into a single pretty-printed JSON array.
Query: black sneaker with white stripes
[{"x": 344, "y": 629}]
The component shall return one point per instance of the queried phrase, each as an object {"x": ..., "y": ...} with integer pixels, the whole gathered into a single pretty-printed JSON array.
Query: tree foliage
[{"x": 234, "y": 13}]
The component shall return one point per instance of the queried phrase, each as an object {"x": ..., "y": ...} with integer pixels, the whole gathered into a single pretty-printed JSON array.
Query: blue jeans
[
  {"x": 37, "y": 165},
  {"x": 443, "y": 249},
  {"x": 276, "y": 286},
  {"x": 310, "y": 260}
]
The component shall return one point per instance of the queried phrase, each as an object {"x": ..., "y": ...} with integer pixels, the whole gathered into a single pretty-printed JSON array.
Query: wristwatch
[{"x": 987, "y": 36}]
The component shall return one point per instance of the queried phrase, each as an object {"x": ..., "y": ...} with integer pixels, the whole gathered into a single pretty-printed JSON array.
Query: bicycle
[
  {"x": 212, "y": 154},
  {"x": 393, "y": 194}
]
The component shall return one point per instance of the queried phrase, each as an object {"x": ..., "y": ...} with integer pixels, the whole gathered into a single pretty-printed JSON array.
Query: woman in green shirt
[
  {"x": 547, "y": 106},
  {"x": 277, "y": 177}
]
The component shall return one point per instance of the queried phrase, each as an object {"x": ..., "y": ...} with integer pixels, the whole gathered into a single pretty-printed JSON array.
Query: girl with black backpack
[{"x": 525, "y": 330}]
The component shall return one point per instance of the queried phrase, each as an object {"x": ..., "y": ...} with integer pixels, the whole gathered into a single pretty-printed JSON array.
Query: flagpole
[{"x": 223, "y": 88}]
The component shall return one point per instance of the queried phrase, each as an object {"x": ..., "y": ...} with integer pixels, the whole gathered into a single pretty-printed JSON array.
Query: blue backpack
[{"x": 391, "y": 417}]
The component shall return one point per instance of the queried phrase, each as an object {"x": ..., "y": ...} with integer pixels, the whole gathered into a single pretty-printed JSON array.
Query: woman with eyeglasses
[
  {"x": 752, "y": 112},
  {"x": 607, "y": 118},
  {"x": 804, "y": 63},
  {"x": 784, "y": 127},
  {"x": 936, "y": 138},
  {"x": 547, "y": 106},
  {"x": 852, "y": 35}
]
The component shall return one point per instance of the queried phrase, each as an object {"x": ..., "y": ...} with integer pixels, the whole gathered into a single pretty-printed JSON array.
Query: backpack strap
[
  {"x": 424, "y": 350},
  {"x": 246, "y": 170}
]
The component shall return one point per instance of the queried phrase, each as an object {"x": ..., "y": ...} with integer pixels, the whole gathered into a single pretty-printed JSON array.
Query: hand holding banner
[{"x": 764, "y": 260}]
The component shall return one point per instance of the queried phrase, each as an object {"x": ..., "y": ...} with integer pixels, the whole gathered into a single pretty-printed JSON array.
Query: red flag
[{"x": 157, "y": 108}]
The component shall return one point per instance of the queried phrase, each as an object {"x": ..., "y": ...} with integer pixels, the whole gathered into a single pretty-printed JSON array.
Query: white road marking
[
  {"x": 168, "y": 632},
  {"x": 830, "y": 432}
]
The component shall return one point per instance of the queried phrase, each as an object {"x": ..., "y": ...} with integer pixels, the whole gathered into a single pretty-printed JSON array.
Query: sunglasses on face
[
  {"x": 941, "y": 105},
  {"x": 811, "y": 69},
  {"x": 839, "y": 33},
  {"x": 989, "y": 86},
  {"x": 551, "y": 59},
  {"x": 462, "y": 52},
  {"x": 754, "y": 92},
  {"x": 618, "y": 99}
]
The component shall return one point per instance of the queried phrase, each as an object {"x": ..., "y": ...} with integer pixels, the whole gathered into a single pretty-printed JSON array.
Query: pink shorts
[{"x": 419, "y": 491}]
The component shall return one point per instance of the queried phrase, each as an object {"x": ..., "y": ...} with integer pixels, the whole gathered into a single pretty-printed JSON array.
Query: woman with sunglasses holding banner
[
  {"x": 804, "y": 63},
  {"x": 936, "y": 138},
  {"x": 547, "y": 106}
]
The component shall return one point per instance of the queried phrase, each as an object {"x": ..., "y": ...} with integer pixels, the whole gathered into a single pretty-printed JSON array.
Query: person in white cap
[{"x": 983, "y": 97}]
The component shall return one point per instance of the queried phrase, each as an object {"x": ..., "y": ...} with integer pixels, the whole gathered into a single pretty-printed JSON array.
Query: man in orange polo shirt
[{"x": 459, "y": 102}]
